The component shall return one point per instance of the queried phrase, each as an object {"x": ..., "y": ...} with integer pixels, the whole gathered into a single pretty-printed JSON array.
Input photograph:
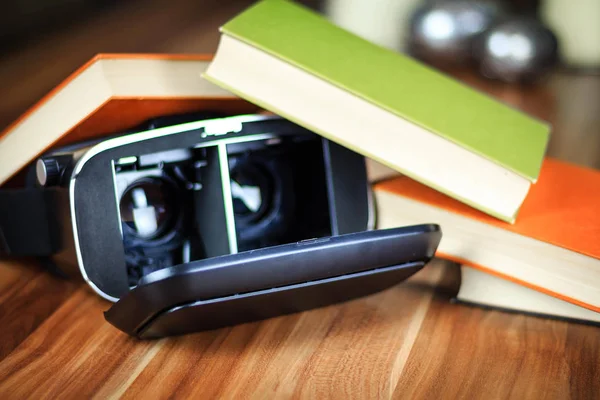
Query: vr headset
[{"x": 210, "y": 223}]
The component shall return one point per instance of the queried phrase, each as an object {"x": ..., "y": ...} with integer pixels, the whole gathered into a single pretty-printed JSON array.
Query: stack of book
[
  {"x": 546, "y": 263},
  {"x": 525, "y": 228}
]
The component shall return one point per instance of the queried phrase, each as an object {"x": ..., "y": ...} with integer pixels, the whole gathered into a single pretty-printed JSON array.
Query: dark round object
[
  {"x": 442, "y": 32},
  {"x": 154, "y": 201},
  {"x": 517, "y": 50},
  {"x": 47, "y": 171}
]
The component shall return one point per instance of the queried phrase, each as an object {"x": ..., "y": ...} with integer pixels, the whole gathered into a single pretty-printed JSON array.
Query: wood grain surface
[{"x": 410, "y": 341}]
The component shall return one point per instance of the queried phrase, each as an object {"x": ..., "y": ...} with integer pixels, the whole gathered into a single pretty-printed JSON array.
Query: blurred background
[{"x": 541, "y": 56}]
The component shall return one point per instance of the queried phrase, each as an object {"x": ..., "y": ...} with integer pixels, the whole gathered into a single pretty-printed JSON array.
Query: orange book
[
  {"x": 111, "y": 93},
  {"x": 553, "y": 247}
]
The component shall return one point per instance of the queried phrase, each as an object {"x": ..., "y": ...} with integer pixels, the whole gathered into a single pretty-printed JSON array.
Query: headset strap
[{"x": 29, "y": 225}]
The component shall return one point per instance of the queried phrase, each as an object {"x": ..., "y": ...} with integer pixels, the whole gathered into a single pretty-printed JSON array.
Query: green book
[{"x": 385, "y": 105}]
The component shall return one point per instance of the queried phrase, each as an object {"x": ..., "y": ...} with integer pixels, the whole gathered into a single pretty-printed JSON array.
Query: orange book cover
[
  {"x": 562, "y": 209},
  {"x": 114, "y": 111}
]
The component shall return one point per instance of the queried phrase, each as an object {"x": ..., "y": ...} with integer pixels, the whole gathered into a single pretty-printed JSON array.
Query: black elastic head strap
[{"x": 28, "y": 222}]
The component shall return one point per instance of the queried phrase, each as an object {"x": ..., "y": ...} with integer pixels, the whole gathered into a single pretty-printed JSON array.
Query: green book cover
[{"x": 396, "y": 83}]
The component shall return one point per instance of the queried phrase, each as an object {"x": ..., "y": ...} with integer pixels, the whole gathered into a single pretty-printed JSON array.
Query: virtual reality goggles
[{"x": 210, "y": 223}]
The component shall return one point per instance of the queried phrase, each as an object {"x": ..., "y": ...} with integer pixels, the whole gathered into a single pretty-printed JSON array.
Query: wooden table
[{"x": 410, "y": 341}]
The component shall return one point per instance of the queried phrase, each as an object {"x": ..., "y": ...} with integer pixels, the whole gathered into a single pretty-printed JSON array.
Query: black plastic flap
[
  {"x": 253, "y": 306},
  {"x": 294, "y": 277}
]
